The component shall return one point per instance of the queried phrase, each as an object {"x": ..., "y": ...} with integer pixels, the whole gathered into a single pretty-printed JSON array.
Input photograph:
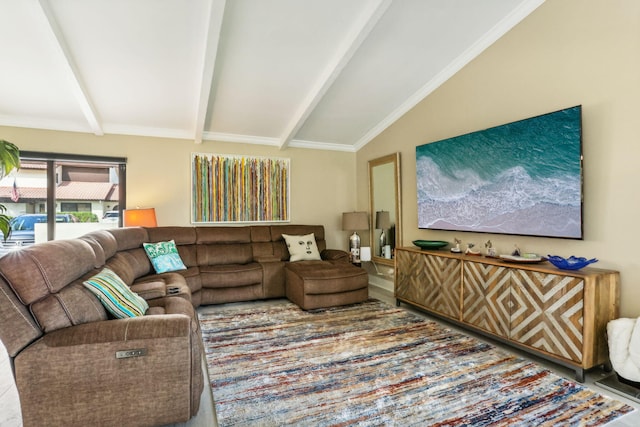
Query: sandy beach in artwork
[{"x": 541, "y": 219}]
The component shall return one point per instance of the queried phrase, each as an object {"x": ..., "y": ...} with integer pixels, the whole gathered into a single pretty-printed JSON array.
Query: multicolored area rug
[{"x": 373, "y": 364}]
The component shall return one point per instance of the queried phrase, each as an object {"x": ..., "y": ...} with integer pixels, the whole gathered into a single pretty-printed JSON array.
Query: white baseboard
[{"x": 380, "y": 282}]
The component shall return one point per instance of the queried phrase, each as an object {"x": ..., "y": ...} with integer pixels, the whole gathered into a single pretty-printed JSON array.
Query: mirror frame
[{"x": 395, "y": 160}]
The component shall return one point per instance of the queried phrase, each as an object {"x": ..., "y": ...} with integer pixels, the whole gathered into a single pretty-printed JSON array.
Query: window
[
  {"x": 75, "y": 207},
  {"x": 57, "y": 196}
]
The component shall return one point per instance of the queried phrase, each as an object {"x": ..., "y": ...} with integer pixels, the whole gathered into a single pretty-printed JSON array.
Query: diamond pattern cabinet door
[
  {"x": 430, "y": 281},
  {"x": 486, "y": 297},
  {"x": 547, "y": 312},
  {"x": 410, "y": 275}
]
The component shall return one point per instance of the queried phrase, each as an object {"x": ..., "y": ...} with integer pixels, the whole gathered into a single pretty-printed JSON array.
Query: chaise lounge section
[{"x": 75, "y": 364}]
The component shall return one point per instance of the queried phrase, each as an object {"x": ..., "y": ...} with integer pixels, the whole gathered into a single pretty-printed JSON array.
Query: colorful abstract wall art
[{"x": 227, "y": 188}]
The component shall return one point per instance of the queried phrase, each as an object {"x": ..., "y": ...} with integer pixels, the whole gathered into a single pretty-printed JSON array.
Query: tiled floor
[
  {"x": 9, "y": 402},
  {"x": 629, "y": 420}
]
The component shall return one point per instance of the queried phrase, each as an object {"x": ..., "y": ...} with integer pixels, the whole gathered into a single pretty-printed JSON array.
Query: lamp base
[
  {"x": 354, "y": 248},
  {"x": 383, "y": 242}
]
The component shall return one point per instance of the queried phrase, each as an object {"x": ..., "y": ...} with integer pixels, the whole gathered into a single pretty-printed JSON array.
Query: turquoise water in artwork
[{"x": 519, "y": 178}]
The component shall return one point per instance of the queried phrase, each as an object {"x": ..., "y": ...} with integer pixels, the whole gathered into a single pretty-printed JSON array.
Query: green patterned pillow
[
  {"x": 115, "y": 295},
  {"x": 164, "y": 256}
]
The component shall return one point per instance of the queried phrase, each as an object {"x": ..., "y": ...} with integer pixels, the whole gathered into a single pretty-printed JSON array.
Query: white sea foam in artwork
[{"x": 479, "y": 183}]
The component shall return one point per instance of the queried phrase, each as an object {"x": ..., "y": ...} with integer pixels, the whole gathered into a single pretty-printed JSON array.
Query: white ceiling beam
[
  {"x": 70, "y": 68},
  {"x": 347, "y": 49},
  {"x": 216, "y": 13}
]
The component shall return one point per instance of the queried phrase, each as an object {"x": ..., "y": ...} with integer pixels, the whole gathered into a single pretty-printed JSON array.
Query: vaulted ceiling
[{"x": 326, "y": 74}]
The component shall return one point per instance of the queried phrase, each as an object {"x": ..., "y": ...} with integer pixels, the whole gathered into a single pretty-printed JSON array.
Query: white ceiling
[{"x": 326, "y": 74}]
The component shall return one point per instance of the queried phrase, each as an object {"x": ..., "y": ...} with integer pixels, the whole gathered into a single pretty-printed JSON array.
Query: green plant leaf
[
  {"x": 9, "y": 157},
  {"x": 9, "y": 160}
]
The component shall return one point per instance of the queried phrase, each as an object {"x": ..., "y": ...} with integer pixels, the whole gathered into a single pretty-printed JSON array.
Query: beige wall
[
  {"x": 158, "y": 174},
  {"x": 567, "y": 52}
]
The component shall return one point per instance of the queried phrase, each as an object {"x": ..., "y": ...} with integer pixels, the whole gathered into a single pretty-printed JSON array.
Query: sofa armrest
[
  {"x": 334, "y": 255},
  {"x": 150, "y": 289},
  {"x": 137, "y": 371}
]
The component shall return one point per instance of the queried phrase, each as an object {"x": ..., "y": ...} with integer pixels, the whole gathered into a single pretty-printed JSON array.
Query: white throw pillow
[{"x": 302, "y": 248}]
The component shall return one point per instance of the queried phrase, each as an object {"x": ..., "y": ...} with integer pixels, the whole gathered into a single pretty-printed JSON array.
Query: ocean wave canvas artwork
[{"x": 521, "y": 178}]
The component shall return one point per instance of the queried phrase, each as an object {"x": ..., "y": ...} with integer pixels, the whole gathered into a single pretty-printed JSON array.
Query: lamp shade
[
  {"x": 382, "y": 220},
  {"x": 140, "y": 217},
  {"x": 355, "y": 221}
]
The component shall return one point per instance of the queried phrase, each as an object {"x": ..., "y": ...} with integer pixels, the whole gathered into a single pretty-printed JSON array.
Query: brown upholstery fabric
[
  {"x": 223, "y": 235},
  {"x": 228, "y": 253},
  {"x": 235, "y": 294},
  {"x": 317, "y": 284},
  {"x": 260, "y": 233},
  {"x": 230, "y": 275},
  {"x": 321, "y": 277},
  {"x": 64, "y": 342},
  {"x": 273, "y": 279},
  {"x": 39, "y": 270},
  {"x": 73, "y": 305},
  {"x": 181, "y": 235},
  {"x": 129, "y": 237},
  {"x": 261, "y": 241},
  {"x": 18, "y": 328},
  {"x": 104, "y": 245},
  {"x": 150, "y": 290},
  {"x": 130, "y": 264},
  {"x": 62, "y": 366},
  {"x": 160, "y": 285},
  {"x": 335, "y": 256}
]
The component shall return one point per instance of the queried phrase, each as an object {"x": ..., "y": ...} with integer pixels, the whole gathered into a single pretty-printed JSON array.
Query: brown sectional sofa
[{"x": 75, "y": 364}]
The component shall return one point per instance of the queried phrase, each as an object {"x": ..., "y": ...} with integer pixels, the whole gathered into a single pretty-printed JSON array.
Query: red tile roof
[{"x": 68, "y": 190}]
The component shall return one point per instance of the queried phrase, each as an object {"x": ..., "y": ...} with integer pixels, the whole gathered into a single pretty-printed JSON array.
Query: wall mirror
[{"x": 385, "y": 208}]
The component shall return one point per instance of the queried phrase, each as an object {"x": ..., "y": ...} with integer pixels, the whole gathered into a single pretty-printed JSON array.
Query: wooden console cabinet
[{"x": 557, "y": 314}]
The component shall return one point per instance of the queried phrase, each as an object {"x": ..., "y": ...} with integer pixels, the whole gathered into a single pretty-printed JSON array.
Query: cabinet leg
[
  {"x": 607, "y": 367},
  {"x": 397, "y": 303},
  {"x": 580, "y": 375}
]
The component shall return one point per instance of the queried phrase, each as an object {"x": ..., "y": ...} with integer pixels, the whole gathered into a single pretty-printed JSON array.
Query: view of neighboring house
[
  {"x": 79, "y": 189},
  {"x": 90, "y": 188}
]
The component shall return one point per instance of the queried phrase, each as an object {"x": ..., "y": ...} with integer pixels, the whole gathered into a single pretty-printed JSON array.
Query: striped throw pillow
[{"x": 115, "y": 295}]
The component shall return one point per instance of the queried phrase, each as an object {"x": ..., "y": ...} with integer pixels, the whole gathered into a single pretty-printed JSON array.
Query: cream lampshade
[
  {"x": 354, "y": 221},
  {"x": 145, "y": 217}
]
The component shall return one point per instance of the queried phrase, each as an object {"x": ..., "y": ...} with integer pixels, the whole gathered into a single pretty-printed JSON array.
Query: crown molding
[{"x": 327, "y": 146}]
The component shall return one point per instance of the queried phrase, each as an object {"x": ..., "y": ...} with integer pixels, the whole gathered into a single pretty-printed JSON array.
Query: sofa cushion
[
  {"x": 130, "y": 264},
  {"x": 322, "y": 277},
  {"x": 223, "y": 235},
  {"x": 46, "y": 268},
  {"x": 231, "y": 275},
  {"x": 180, "y": 235},
  {"x": 129, "y": 237},
  {"x": 115, "y": 295},
  {"x": 224, "y": 253},
  {"x": 73, "y": 305},
  {"x": 104, "y": 245},
  {"x": 302, "y": 248},
  {"x": 164, "y": 256}
]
